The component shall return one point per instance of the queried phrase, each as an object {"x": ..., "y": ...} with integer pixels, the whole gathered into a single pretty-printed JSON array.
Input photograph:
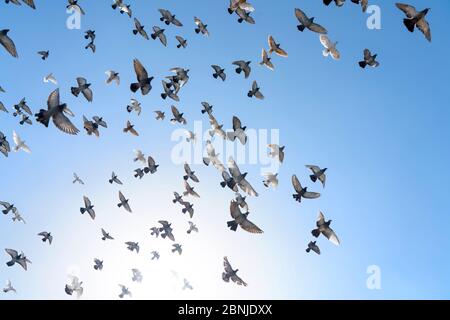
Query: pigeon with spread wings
[
  {"x": 240, "y": 178},
  {"x": 240, "y": 219},
  {"x": 229, "y": 273},
  {"x": 124, "y": 202},
  {"x": 8, "y": 43},
  {"x": 323, "y": 227},
  {"x": 144, "y": 81},
  {"x": 308, "y": 23},
  {"x": 302, "y": 192},
  {"x": 415, "y": 19}
]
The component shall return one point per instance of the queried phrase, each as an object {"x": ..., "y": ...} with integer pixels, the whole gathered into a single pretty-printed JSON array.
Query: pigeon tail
[
  {"x": 313, "y": 178},
  {"x": 308, "y": 250},
  {"x": 301, "y": 27},
  {"x": 42, "y": 117},
  {"x": 197, "y": 30},
  {"x": 316, "y": 233},
  {"x": 75, "y": 91},
  {"x": 232, "y": 225},
  {"x": 135, "y": 32},
  {"x": 223, "y": 184},
  {"x": 10, "y": 263},
  {"x": 362, "y": 64},
  {"x": 82, "y": 210}
]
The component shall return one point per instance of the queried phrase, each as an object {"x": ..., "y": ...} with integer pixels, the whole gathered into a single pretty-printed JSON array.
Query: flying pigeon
[
  {"x": 181, "y": 42},
  {"x": 313, "y": 246},
  {"x": 243, "y": 66},
  {"x": 132, "y": 246},
  {"x": 137, "y": 275},
  {"x": 88, "y": 207},
  {"x": 74, "y": 287},
  {"x": 159, "y": 33},
  {"x": 192, "y": 227},
  {"x": 152, "y": 167},
  {"x": 98, "y": 264},
  {"x": 130, "y": 128},
  {"x": 84, "y": 88},
  {"x": 177, "y": 248},
  {"x": 144, "y": 82},
  {"x": 189, "y": 173},
  {"x": 302, "y": 192},
  {"x": 270, "y": 180},
  {"x": 240, "y": 219},
  {"x": 266, "y": 60},
  {"x": 114, "y": 179},
  {"x": 46, "y": 236},
  {"x": 275, "y": 47},
  {"x": 276, "y": 152},
  {"x": 139, "y": 29},
  {"x": 7, "y": 43},
  {"x": 413, "y": 19},
  {"x": 20, "y": 259},
  {"x": 9, "y": 287},
  {"x": 323, "y": 227},
  {"x": 255, "y": 91},
  {"x": 106, "y": 235},
  {"x": 112, "y": 76},
  {"x": 77, "y": 179},
  {"x": 166, "y": 230},
  {"x": 330, "y": 48},
  {"x": 229, "y": 273},
  {"x": 219, "y": 72},
  {"x": 317, "y": 174},
  {"x": 20, "y": 144},
  {"x": 124, "y": 202},
  {"x": 201, "y": 27},
  {"x": 308, "y": 23}
]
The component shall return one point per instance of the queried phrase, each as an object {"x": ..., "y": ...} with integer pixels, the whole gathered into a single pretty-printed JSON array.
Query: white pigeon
[
  {"x": 330, "y": 47},
  {"x": 9, "y": 287},
  {"x": 191, "y": 137},
  {"x": 270, "y": 179},
  {"x": 17, "y": 217},
  {"x": 139, "y": 156},
  {"x": 20, "y": 144},
  {"x": 50, "y": 78}
]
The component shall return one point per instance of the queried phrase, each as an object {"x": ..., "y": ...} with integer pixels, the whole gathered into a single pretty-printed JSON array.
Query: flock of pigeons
[{"x": 59, "y": 113}]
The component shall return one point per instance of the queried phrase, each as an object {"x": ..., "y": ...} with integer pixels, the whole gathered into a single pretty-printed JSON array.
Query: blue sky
[{"x": 380, "y": 132}]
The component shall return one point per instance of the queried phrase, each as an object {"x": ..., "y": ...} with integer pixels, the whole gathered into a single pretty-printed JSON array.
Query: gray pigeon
[
  {"x": 238, "y": 131},
  {"x": 124, "y": 202},
  {"x": 139, "y": 29},
  {"x": 137, "y": 275},
  {"x": 8, "y": 207},
  {"x": 243, "y": 66},
  {"x": 159, "y": 33},
  {"x": 55, "y": 111},
  {"x": 201, "y": 27},
  {"x": 106, "y": 235},
  {"x": 166, "y": 230},
  {"x": 154, "y": 231},
  {"x": 124, "y": 291},
  {"x": 240, "y": 219},
  {"x": 313, "y": 246},
  {"x": 240, "y": 178},
  {"x": 84, "y": 88},
  {"x": 20, "y": 259},
  {"x": 188, "y": 207},
  {"x": 181, "y": 42},
  {"x": 152, "y": 167},
  {"x": 132, "y": 246},
  {"x": 317, "y": 174},
  {"x": 155, "y": 255},
  {"x": 189, "y": 173},
  {"x": 114, "y": 179},
  {"x": 308, "y": 23},
  {"x": 219, "y": 72},
  {"x": 169, "y": 18},
  {"x": 7, "y": 43},
  {"x": 98, "y": 264},
  {"x": 177, "y": 248},
  {"x": 364, "y": 4},
  {"x": 323, "y": 227},
  {"x": 44, "y": 54},
  {"x": 192, "y": 227},
  {"x": 230, "y": 274},
  {"x": 5, "y": 147},
  {"x": 177, "y": 116},
  {"x": 339, "y": 3},
  {"x": 302, "y": 192},
  {"x": 369, "y": 60},
  {"x": 144, "y": 81},
  {"x": 413, "y": 19},
  {"x": 88, "y": 207},
  {"x": 46, "y": 236},
  {"x": 255, "y": 92}
]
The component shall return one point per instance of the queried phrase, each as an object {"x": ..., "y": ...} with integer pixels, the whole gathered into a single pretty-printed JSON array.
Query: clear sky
[{"x": 380, "y": 132}]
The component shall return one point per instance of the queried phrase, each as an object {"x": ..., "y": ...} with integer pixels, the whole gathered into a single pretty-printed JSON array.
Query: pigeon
[
  {"x": 8, "y": 207},
  {"x": 144, "y": 82},
  {"x": 2, "y": 90},
  {"x": 413, "y": 19},
  {"x": 134, "y": 106},
  {"x": 229, "y": 273},
  {"x": 312, "y": 246},
  {"x": 181, "y": 75},
  {"x": 330, "y": 48},
  {"x": 20, "y": 144},
  {"x": 155, "y": 255},
  {"x": 130, "y": 128},
  {"x": 139, "y": 173},
  {"x": 90, "y": 34},
  {"x": 29, "y": 3},
  {"x": 106, "y": 235},
  {"x": 238, "y": 131},
  {"x": 100, "y": 122},
  {"x": 132, "y": 246},
  {"x": 308, "y": 23},
  {"x": 369, "y": 60},
  {"x": 240, "y": 200},
  {"x": 302, "y": 192},
  {"x": 212, "y": 157},
  {"x": 207, "y": 108},
  {"x": 74, "y": 287},
  {"x": 90, "y": 127},
  {"x": 4, "y": 145},
  {"x": 77, "y": 179},
  {"x": 255, "y": 92},
  {"x": 139, "y": 29},
  {"x": 139, "y": 156},
  {"x": 124, "y": 202},
  {"x": 169, "y": 18},
  {"x": 243, "y": 66},
  {"x": 56, "y": 112},
  {"x": 98, "y": 264},
  {"x": 201, "y": 27},
  {"x": 181, "y": 42},
  {"x": 50, "y": 78},
  {"x": 114, "y": 179},
  {"x": 166, "y": 230},
  {"x": 317, "y": 174},
  {"x": 192, "y": 227},
  {"x": 266, "y": 60},
  {"x": 187, "y": 285},
  {"x": 270, "y": 180},
  {"x": 22, "y": 106},
  {"x": 364, "y": 4},
  {"x": 171, "y": 93},
  {"x": 191, "y": 137},
  {"x": 83, "y": 87},
  {"x": 91, "y": 46},
  {"x": 160, "y": 115},
  {"x": 154, "y": 231},
  {"x": 276, "y": 152},
  {"x": 124, "y": 291},
  {"x": 178, "y": 198},
  {"x": 17, "y": 217},
  {"x": 241, "y": 4},
  {"x": 190, "y": 191},
  {"x": 88, "y": 207},
  {"x": 228, "y": 181},
  {"x": 177, "y": 116},
  {"x": 177, "y": 248},
  {"x": 7, "y": 43},
  {"x": 159, "y": 33},
  {"x": 216, "y": 128},
  {"x": 189, "y": 173},
  {"x": 219, "y": 72},
  {"x": 46, "y": 236},
  {"x": 240, "y": 219},
  {"x": 123, "y": 8},
  {"x": 188, "y": 207},
  {"x": 9, "y": 287},
  {"x": 323, "y": 227},
  {"x": 339, "y": 3},
  {"x": 73, "y": 5},
  {"x": 20, "y": 259},
  {"x": 152, "y": 166},
  {"x": 112, "y": 76},
  {"x": 137, "y": 275},
  {"x": 244, "y": 16},
  {"x": 44, "y": 54},
  {"x": 2, "y": 108},
  {"x": 275, "y": 47},
  {"x": 25, "y": 119}
]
